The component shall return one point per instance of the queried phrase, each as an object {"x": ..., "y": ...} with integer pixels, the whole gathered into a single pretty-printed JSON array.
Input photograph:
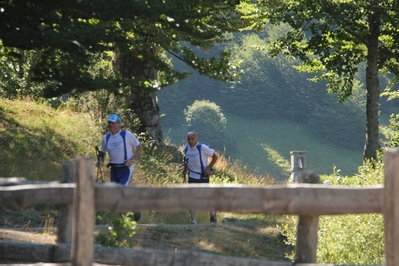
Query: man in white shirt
[
  {"x": 119, "y": 144},
  {"x": 199, "y": 170}
]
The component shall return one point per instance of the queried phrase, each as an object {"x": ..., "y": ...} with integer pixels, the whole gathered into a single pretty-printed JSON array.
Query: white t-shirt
[
  {"x": 115, "y": 149},
  {"x": 194, "y": 162}
]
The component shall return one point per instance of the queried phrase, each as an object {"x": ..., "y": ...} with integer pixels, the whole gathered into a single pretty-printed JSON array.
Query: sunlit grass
[
  {"x": 277, "y": 158},
  {"x": 283, "y": 137},
  {"x": 37, "y": 139}
]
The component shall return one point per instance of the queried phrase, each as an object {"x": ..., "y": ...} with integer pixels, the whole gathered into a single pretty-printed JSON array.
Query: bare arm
[
  {"x": 138, "y": 151},
  {"x": 136, "y": 155},
  {"x": 211, "y": 164}
]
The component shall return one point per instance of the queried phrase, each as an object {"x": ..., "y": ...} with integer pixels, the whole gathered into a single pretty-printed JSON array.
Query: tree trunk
[
  {"x": 143, "y": 100},
  {"x": 373, "y": 90}
]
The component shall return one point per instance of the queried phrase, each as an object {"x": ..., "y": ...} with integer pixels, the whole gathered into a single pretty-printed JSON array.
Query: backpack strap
[
  {"x": 200, "y": 156},
  {"x": 185, "y": 149},
  {"x": 107, "y": 138},
  {"x": 123, "y": 134}
]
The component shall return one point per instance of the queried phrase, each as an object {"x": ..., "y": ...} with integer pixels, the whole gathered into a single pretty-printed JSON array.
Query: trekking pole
[
  {"x": 185, "y": 162},
  {"x": 99, "y": 155}
]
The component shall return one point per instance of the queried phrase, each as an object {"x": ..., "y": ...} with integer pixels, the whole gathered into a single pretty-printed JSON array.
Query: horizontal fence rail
[
  {"x": 300, "y": 199},
  {"x": 144, "y": 257},
  {"x": 25, "y": 195}
]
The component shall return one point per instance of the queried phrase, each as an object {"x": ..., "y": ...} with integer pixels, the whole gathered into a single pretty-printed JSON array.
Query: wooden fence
[{"x": 82, "y": 198}]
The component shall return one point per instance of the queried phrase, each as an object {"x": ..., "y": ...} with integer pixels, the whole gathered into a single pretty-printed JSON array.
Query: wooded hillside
[{"x": 271, "y": 89}]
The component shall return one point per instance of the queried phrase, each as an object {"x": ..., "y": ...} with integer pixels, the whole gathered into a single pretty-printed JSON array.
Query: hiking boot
[
  {"x": 193, "y": 222},
  {"x": 136, "y": 216},
  {"x": 213, "y": 217}
]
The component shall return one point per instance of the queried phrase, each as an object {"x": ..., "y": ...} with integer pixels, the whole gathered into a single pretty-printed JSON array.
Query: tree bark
[
  {"x": 143, "y": 101},
  {"x": 373, "y": 89}
]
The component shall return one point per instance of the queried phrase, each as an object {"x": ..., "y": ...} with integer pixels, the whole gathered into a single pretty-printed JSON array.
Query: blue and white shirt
[
  {"x": 194, "y": 161},
  {"x": 115, "y": 148}
]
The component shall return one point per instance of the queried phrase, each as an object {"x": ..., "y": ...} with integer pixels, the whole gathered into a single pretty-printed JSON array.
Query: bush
[
  {"x": 392, "y": 131},
  {"x": 119, "y": 234},
  {"x": 207, "y": 115},
  {"x": 207, "y": 120}
]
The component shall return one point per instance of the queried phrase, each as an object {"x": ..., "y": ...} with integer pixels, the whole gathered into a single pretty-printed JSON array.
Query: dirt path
[{"x": 237, "y": 238}]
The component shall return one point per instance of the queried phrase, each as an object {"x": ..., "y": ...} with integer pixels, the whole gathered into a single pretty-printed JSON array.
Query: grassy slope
[
  {"x": 266, "y": 144},
  {"x": 264, "y": 136},
  {"x": 35, "y": 140}
]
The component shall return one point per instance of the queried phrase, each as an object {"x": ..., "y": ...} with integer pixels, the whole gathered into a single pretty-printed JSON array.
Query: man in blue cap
[{"x": 119, "y": 144}]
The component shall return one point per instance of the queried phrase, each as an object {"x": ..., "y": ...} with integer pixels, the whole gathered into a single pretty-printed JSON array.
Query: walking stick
[
  {"x": 185, "y": 161},
  {"x": 99, "y": 155}
]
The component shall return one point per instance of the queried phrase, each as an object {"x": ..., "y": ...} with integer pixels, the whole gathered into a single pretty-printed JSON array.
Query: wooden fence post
[
  {"x": 83, "y": 213},
  {"x": 391, "y": 206},
  {"x": 65, "y": 212},
  {"x": 306, "y": 238},
  {"x": 298, "y": 164}
]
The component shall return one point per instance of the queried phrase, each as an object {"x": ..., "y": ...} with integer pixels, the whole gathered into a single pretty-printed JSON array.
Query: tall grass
[{"x": 355, "y": 239}]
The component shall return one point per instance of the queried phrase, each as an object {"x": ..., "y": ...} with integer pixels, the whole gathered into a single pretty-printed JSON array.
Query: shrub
[
  {"x": 207, "y": 120},
  {"x": 123, "y": 226},
  {"x": 392, "y": 131}
]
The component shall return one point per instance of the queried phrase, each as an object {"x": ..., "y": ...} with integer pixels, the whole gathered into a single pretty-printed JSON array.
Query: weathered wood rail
[{"x": 307, "y": 200}]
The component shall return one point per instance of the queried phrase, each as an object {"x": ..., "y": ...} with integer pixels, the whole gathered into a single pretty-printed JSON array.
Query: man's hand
[
  {"x": 208, "y": 171},
  {"x": 128, "y": 163}
]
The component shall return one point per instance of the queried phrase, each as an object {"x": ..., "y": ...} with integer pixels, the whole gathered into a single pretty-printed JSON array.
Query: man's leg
[
  {"x": 125, "y": 180},
  {"x": 125, "y": 175},
  {"x": 121, "y": 174},
  {"x": 213, "y": 218},
  {"x": 193, "y": 215},
  {"x": 114, "y": 174},
  {"x": 196, "y": 181}
]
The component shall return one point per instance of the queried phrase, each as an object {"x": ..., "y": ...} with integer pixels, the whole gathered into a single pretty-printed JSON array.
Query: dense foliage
[
  {"x": 392, "y": 132},
  {"x": 66, "y": 38},
  {"x": 332, "y": 39}
]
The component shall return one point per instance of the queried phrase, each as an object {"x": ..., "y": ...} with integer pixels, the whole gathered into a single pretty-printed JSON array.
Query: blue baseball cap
[{"x": 114, "y": 118}]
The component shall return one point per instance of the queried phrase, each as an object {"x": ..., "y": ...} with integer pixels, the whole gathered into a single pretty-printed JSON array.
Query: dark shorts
[
  {"x": 197, "y": 181},
  {"x": 121, "y": 175}
]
